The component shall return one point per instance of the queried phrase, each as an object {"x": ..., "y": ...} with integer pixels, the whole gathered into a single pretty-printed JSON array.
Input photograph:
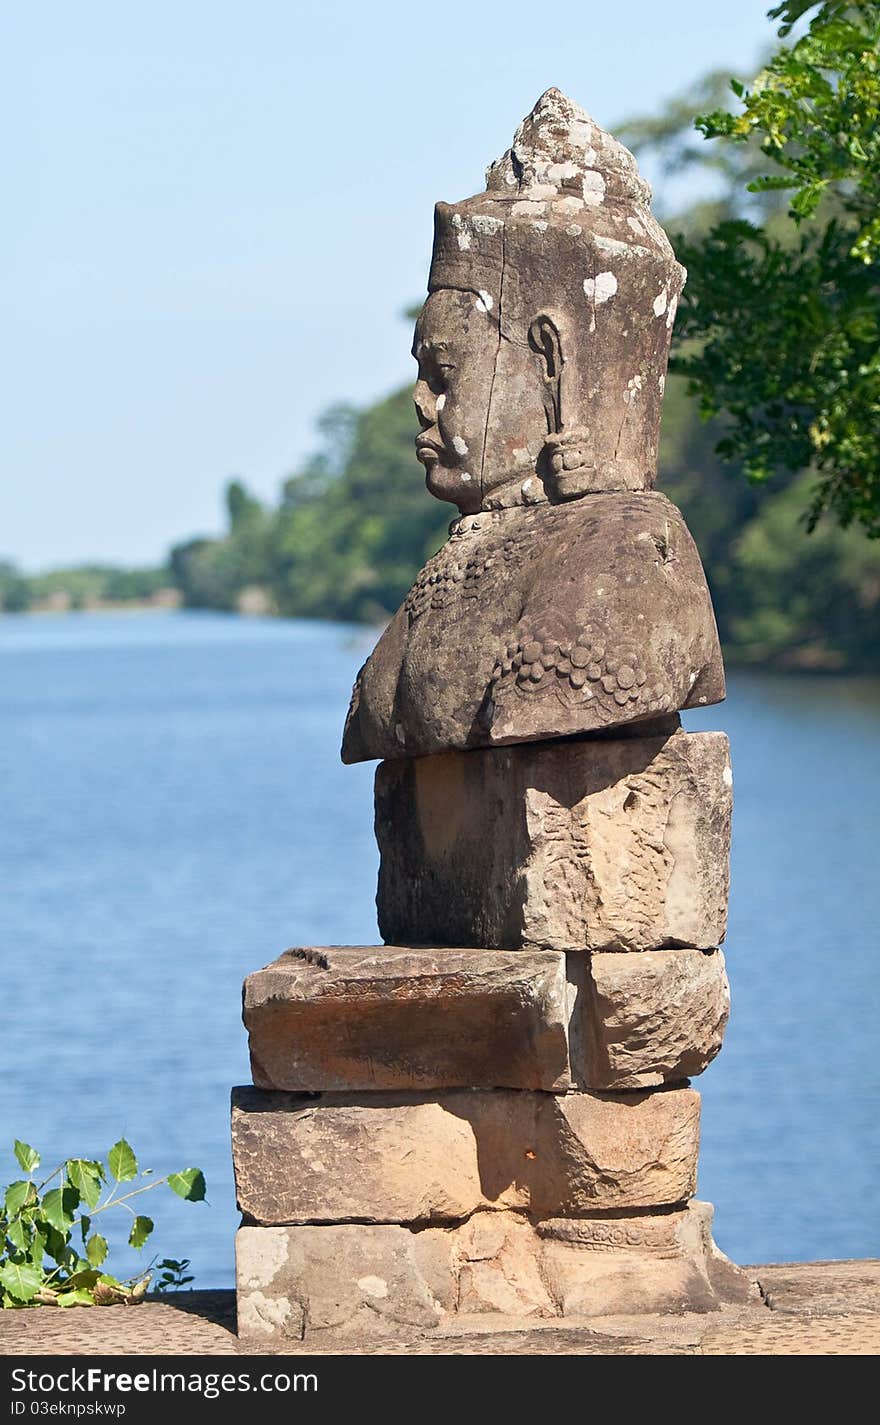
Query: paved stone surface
[
  {"x": 832, "y": 1317},
  {"x": 822, "y": 1288}
]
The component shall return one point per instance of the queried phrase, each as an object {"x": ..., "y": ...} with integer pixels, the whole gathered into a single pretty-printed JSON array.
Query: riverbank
[
  {"x": 805, "y": 1309},
  {"x": 252, "y": 606}
]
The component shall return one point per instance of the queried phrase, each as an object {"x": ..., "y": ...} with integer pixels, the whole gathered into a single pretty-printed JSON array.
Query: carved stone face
[{"x": 456, "y": 345}]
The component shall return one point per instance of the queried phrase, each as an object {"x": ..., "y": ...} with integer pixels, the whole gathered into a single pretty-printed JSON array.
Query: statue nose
[{"x": 425, "y": 404}]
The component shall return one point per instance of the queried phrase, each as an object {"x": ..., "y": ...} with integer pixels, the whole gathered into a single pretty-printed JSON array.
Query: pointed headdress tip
[{"x": 559, "y": 149}]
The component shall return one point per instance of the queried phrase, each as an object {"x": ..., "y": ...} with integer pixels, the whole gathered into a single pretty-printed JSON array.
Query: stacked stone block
[{"x": 494, "y": 1127}]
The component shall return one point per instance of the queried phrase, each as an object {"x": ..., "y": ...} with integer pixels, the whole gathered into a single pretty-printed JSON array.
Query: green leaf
[
  {"x": 190, "y": 1184},
  {"x": 83, "y": 1280},
  {"x": 86, "y": 1176},
  {"x": 140, "y": 1231},
  {"x": 38, "y": 1248},
  {"x": 56, "y": 1243},
  {"x": 19, "y": 1234},
  {"x": 17, "y": 1194},
  {"x": 28, "y": 1157},
  {"x": 59, "y": 1205},
  {"x": 122, "y": 1161},
  {"x": 96, "y": 1249},
  {"x": 85, "y": 1226},
  {"x": 80, "y": 1297},
  {"x": 21, "y": 1280}
]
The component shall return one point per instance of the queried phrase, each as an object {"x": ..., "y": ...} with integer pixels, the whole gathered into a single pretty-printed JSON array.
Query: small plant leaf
[
  {"x": 85, "y": 1226},
  {"x": 80, "y": 1297},
  {"x": 38, "y": 1248},
  {"x": 22, "y": 1280},
  {"x": 122, "y": 1162},
  {"x": 190, "y": 1184},
  {"x": 84, "y": 1278},
  {"x": 28, "y": 1157},
  {"x": 96, "y": 1249},
  {"x": 55, "y": 1242},
  {"x": 19, "y": 1234},
  {"x": 58, "y": 1207},
  {"x": 140, "y": 1231},
  {"x": 86, "y": 1177},
  {"x": 17, "y": 1195}
]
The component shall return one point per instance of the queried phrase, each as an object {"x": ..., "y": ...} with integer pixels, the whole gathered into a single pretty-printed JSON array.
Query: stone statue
[
  {"x": 490, "y": 1115},
  {"x": 570, "y": 597}
]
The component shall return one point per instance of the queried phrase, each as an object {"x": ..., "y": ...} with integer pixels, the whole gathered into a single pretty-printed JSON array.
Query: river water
[{"x": 176, "y": 814}]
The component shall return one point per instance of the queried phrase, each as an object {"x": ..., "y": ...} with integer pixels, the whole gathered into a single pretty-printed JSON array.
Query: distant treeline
[
  {"x": 352, "y": 528},
  {"x": 88, "y": 586}
]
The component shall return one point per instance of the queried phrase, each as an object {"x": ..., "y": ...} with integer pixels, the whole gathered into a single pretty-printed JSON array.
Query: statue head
[{"x": 542, "y": 346}]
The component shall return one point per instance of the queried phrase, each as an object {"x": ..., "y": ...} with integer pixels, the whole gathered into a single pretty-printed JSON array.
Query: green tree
[
  {"x": 211, "y": 573},
  {"x": 355, "y": 525},
  {"x": 15, "y": 596},
  {"x": 780, "y": 331}
]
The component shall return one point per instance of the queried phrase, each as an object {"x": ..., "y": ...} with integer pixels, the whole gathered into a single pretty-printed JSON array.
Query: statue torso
[{"x": 542, "y": 622}]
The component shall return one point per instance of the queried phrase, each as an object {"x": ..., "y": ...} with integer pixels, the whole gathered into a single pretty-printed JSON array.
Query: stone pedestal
[{"x": 466, "y": 1128}]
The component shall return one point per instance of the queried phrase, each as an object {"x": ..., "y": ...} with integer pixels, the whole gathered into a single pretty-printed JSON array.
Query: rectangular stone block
[
  {"x": 386, "y": 1017},
  {"x": 603, "y": 845},
  {"x": 362, "y": 1282},
  {"x": 406, "y": 1158},
  {"x": 653, "y": 1018},
  {"x": 346, "y": 1018}
]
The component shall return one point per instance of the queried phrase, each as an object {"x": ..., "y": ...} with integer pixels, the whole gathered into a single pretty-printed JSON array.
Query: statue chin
[{"x": 454, "y": 485}]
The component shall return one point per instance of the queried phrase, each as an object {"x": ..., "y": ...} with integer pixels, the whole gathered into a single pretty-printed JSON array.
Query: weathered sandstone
[
  {"x": 351, "y": 1281},
  {"x": 654, "y": 1018},
  {"x": 383, "y": 1157},
  {"x": 385, "y": 1017},
  {"x": 588, "y": 845}
]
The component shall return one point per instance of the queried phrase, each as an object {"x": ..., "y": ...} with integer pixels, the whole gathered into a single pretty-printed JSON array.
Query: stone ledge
[{"x": 813, "y": 1316}]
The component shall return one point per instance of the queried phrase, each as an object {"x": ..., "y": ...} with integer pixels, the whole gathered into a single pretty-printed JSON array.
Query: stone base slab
[
  {"x": 406, "y": 1158},
  {"x": 305, "y": 1283},
  {"x": 618, "y": 845},
  {"x": 342, "y": 1018}
]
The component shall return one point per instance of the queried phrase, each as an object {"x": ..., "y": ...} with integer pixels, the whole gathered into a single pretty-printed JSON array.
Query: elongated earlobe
[
  {"x": 546, "y": 343},
  {"x": 565, "y": 465}
]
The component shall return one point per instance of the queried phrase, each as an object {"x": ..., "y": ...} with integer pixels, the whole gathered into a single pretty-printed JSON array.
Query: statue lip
[{"x": 426, "y": 448}]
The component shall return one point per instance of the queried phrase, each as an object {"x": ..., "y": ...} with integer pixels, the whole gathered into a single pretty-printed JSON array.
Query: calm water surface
[{"x": 175, "y": 815}]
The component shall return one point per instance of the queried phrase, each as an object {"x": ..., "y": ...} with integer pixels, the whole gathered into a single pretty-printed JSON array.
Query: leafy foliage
[
  {"x": 84, "y": 587},
  {"x": 49, "y": 1254},
  {"x": 779, "y": 332},
  {"x": 174, "y": 1275}
]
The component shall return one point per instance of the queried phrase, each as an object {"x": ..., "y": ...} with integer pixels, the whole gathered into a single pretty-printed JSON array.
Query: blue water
[{"x": 175, "y": 814}]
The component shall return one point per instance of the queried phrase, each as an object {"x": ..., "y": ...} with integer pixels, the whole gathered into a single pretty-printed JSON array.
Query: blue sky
[{"x": 215, "y": 213}]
